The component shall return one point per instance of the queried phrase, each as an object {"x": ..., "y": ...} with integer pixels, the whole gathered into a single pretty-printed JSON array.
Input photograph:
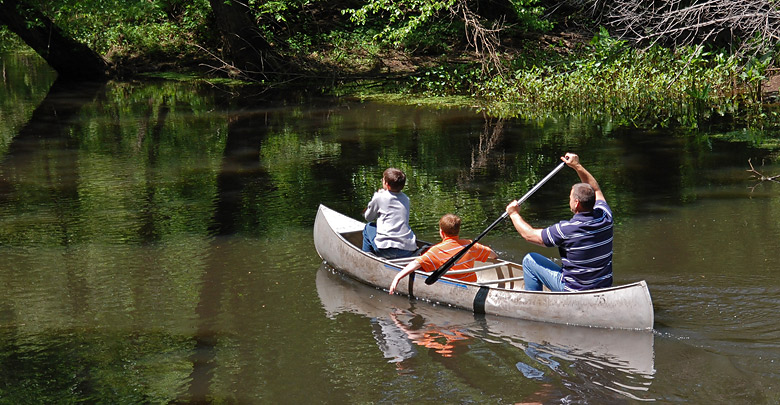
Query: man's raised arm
[{"x": 573, "y": 161}]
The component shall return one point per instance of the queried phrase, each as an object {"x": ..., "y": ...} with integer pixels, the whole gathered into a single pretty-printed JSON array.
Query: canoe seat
[{"x": 500, "y": 274}]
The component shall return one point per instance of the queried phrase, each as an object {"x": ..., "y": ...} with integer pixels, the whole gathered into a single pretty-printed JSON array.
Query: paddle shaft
[{"x": 436, "y": 275}]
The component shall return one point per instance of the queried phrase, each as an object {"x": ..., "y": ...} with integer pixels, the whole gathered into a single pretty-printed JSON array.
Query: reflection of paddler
[
  {"x": 451, "y": 244},
  {"x": 442, "y": 341}
]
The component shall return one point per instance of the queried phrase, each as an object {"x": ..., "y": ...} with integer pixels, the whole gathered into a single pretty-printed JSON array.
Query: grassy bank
[{"x": 689, "y": 89}]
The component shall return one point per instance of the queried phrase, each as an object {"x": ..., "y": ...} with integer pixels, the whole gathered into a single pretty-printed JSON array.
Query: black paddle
[{"x": 436, "y": 275}]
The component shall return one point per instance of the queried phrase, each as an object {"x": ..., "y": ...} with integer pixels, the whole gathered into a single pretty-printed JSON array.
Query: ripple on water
[{"x": 725, "y": 316}]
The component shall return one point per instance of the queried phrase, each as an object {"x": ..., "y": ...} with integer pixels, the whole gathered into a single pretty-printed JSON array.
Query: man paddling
[{"x": 584, "y": 241}]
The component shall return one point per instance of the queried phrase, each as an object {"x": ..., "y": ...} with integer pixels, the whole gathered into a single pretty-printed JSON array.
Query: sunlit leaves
[
  {"x": 110, "y": 26},
  {"x": 402, "y": 19},
  {"x": 655, "y": 87}
]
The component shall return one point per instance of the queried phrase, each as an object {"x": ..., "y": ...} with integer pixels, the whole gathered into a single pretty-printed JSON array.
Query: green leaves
[
  {"x": 400, "y": 22},
  {"x": 132, "y": 27},
  {"x": 655, "y": 87},
  {"x": 402, "y": 18}
]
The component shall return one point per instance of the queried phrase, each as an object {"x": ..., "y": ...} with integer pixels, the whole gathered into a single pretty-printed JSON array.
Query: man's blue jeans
[
  {"x": 369, "y": 234},
  {"x": 539, "y": 270}
]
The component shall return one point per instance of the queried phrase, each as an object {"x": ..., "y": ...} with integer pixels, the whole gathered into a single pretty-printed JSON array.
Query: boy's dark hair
[
  {"x": 450, "y": 224},
  {"x": 395, "y": 179},
  {"x": 585, "y": 194}
]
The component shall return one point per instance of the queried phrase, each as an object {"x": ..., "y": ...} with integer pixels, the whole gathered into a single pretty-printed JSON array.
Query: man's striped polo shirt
[{"x": 585, "y": 245}]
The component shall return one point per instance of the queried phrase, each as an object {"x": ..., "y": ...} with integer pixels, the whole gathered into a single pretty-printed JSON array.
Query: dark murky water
[{"x": 156, "y": 245}]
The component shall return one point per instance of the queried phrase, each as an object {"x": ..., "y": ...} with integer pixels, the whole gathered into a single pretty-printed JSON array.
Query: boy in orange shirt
[{"x": 449, "y": 228}]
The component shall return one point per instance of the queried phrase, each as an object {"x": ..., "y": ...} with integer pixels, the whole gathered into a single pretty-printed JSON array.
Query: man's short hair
[
  {"x": 585, "y": 194},
  {"x": 395, "y": 179},
  {"x": 450, "y": 224}
]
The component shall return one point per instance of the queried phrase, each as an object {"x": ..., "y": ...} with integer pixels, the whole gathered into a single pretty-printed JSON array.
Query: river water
[{"x": 156, "y": 244}]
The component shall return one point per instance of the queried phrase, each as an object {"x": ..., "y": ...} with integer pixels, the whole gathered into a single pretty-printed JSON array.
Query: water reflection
[
  {"x": 442, "y": 341},
  {"x": 610, "y": 361}
]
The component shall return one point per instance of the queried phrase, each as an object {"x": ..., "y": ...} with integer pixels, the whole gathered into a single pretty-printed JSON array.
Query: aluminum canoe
[{"x": 498, "y": 290}]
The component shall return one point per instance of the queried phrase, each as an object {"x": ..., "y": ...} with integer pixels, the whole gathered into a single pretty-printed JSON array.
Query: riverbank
[
  {"x": 687, "y": 89},
  {"x": 562, "y": 73}
]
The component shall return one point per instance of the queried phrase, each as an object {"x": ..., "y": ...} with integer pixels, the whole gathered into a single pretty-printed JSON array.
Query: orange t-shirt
[{"x": 438, "y": 254}]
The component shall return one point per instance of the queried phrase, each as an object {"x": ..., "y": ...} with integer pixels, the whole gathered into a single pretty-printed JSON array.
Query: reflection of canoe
[
  {"x": 498, "y": 290},
  {"x": 627, "y": 350}
]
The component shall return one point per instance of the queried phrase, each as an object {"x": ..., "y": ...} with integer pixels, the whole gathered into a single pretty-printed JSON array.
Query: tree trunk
[
  {"x": 71, "y": 59},
  {"x": 244, "y": 47}
]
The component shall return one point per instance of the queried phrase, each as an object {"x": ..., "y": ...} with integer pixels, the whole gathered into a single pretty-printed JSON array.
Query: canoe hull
[{"x": 624, "y": 307}]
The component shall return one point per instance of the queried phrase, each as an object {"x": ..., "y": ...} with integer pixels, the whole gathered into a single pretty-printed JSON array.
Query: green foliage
[
  {"x": 287, "y": 20},
  {"x": 135, "y": 27},
  {"x": 603, "y": 50},
  {"x": 428, "y": 24},
  {"x": 342, "y": 50},
  {"x": 530, "y": 15},
  {"x": 279, "y": 10},
  {"x": 9, "y": 41},
  {"x": 401, "y": 19},
  {"x": 754, "y": 71},
  {"x": 434, "y": 38},
  {"x": 446, "y": 80},
  {"x": 656, "y": 87}
]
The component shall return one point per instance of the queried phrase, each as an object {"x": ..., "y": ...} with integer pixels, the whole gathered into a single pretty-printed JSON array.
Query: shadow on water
[
  {"x": 56, "y": 114},
  {"x": 47, "y": 133},
  {"x": 44, "y": 142},
  {"x": 240, "y": 171},
  {"x": 599, "y": 364}
]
